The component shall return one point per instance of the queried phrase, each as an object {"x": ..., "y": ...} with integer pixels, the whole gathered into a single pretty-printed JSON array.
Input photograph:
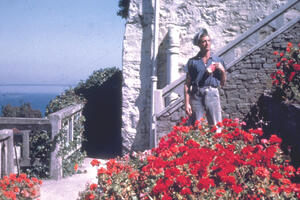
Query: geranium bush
[
  {"x": 286, "y": 77},
  {"x": 201, "y": 162},
  {"x": 19, "y": 187}
]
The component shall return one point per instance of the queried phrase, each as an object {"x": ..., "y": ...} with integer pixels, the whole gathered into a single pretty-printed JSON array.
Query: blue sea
[{"x": 38, "y": 96}]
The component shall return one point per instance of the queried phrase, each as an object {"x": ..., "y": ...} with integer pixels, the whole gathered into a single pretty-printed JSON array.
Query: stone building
[{"x": 158, "y": 42}]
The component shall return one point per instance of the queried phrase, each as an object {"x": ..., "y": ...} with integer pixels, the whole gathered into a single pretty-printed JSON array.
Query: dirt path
[{"x": 68, "y": 188}]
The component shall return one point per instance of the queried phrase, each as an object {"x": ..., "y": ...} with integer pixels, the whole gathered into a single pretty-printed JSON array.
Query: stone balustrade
[
  {"x": 62, "y": 120},
  {"x": 57, "y": 124}
]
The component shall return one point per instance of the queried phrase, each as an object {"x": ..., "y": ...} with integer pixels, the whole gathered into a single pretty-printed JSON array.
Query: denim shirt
[{"x": 199, "y": 75}]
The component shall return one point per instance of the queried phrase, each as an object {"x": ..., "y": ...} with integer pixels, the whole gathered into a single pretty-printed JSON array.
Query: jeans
[{"x": 206, "y": 100}]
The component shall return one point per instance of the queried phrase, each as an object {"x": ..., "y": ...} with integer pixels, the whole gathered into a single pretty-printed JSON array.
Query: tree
[
  {"x": 124, "y": 7},
  {"x": 24, "y": 111}
]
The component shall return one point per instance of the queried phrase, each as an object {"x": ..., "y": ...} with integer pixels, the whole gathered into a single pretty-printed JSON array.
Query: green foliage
[
  {"x": 75, "y": 96},
  {"x": 70, "y": 151},
  {"x": 96, "y": 79},
  {"x": 124, "y": 8},
  {"x": 24, "y": 110},
  {"x": 64, "y": 100},
  {"x": 40, "y": 148}
]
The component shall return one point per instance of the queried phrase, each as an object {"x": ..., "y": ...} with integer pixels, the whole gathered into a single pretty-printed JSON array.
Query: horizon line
[{"x": 35, "y": 84}]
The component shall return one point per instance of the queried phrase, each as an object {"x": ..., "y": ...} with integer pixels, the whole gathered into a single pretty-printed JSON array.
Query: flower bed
[
  {"x": 14, "y": 187},
  {"x": 201, "y": 162}
]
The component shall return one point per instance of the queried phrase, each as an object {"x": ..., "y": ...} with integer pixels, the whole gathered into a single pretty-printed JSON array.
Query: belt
[{"x": 207, "y": 87}]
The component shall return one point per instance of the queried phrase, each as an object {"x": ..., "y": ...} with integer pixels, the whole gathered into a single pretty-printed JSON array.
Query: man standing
[{"x": 205, "y": 74}]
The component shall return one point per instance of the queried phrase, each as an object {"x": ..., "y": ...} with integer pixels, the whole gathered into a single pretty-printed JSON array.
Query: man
[{"x": 205, "y": 73}]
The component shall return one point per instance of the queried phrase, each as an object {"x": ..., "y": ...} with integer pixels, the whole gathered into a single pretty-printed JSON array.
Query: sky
[{"x": 58, "y": 41}]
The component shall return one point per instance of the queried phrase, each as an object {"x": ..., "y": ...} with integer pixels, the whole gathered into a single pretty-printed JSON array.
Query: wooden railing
[{"x": 234, "y": 51}]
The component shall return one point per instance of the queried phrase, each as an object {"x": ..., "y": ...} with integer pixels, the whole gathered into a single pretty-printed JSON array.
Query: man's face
[{"x": 204, "y": 43}]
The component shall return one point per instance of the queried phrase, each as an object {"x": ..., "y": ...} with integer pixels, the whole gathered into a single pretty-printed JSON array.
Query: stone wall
[
  {"x": 247, "y": 81},
  {"x": 224, "y": 21},
  {"x": 250, "y": 78}
]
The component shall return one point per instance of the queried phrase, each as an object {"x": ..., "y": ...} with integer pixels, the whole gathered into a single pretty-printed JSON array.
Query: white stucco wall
[{"x": 224, "y": 20}]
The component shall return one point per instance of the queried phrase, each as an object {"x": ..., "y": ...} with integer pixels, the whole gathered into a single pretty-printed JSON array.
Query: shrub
[
  {"x": 200, "y": 162},
  {"x": 40, "y": 148},
  {"x": 286, "y": 78},
  {"x": 97, "y": 78},
  {"x": 68, "y": 98}
]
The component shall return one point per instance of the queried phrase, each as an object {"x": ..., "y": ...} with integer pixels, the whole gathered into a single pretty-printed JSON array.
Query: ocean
[{"x": 38, "y": 96}]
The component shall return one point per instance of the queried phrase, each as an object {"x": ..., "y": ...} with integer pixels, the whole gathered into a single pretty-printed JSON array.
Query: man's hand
[
  {"x": 188, "y": 109},
  {"x": 220, "y": 67},
  {"x": 211, "y": 68}
]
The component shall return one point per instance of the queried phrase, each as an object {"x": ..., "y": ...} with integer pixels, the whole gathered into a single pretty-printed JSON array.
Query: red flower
[
  {"x": 275, "y": 53},
  {"x": 89, "y": 197},
  {"x": 289, "y": 44},
  {"x": 275, "y": 139},
  {"x": 76, "y": 167},
  {"x": 183, "y": 181},
  {"x": 237, "y": 188},
  {"x": 101, "y": 171},
  {"x": 185, "y": 191},
  {"x": 220, "y": 192},
  {"x": 166, "y": 197},
  {"x": 289, "y": 171},
  {"x": 280, "y": 72},
  {"x": 296, "y": 67},
  {"x": 205, "y": 183},
  {"x": 291, "y": 76},
  {"x": 95, "y": 163},
  {"x": 291, "y": 61},
  {"x": 262, "y": 172},
  {"x": 276, "y": 175},
  {"x": 288, "y": 49},
  {"x": 281, "y": 54},
  {"x": 93, "y": 186}
]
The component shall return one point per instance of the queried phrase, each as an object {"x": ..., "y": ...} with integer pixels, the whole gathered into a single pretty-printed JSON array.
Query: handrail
[
  {"x": 257, "y": 26},
  {"x": 172, "y": 85},
  {"x": 276, "y": 33}
]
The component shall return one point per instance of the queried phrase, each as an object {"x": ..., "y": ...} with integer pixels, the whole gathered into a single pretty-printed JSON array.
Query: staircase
[{"x": 248, "y": 63}]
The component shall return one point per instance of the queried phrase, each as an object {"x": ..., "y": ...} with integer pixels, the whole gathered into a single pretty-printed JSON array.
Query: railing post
[
  {"x": 6, "y": 157},
  {"x": 159, "y": 102},
  {"x": 172, "y": 59},
  {"x": 55, "y": 162},
  {"x": 71, "y": 128},
  {"x": 25, "y": 160}
]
